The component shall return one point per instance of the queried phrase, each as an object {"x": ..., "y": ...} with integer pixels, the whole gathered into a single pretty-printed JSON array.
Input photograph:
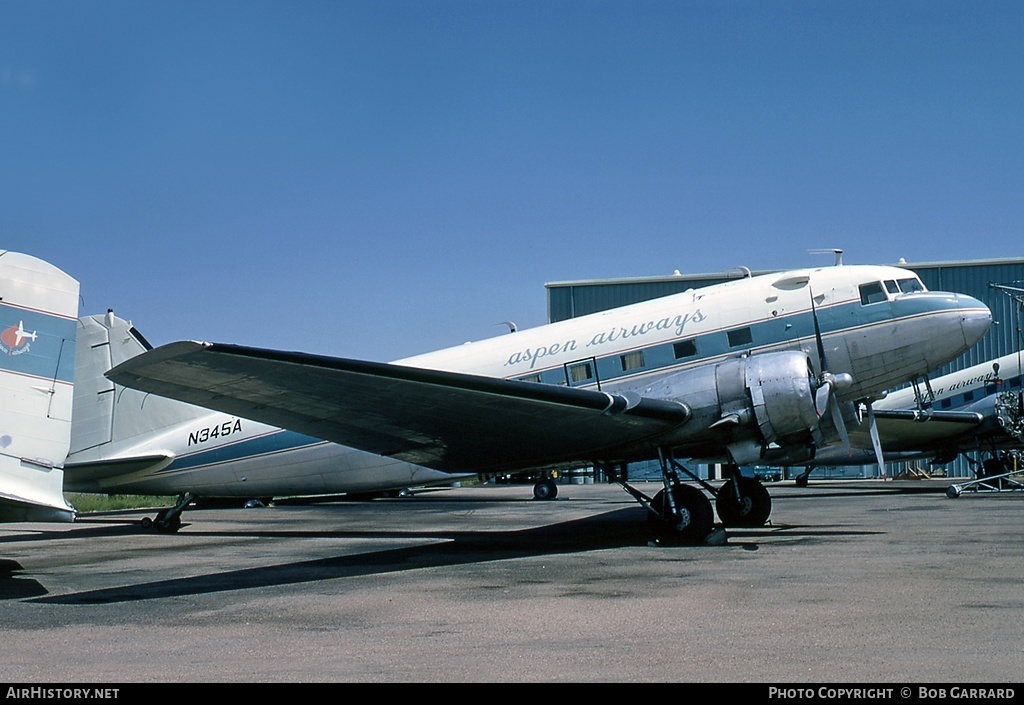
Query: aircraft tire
[
  {"x": 696, "y": 516},
  {"x": 753, "y": 507},
  {"x": 545, "y": 490}
]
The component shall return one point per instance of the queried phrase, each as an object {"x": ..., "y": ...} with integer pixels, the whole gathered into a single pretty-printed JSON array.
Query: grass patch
[{"x": 85, "y": 503}]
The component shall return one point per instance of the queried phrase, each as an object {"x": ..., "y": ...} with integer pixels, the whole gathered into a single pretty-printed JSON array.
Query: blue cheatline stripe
[
  {"x": 273, "y": 442},
  {"x": 772, "y": 331},
  {"x": 49, "y": 355}
]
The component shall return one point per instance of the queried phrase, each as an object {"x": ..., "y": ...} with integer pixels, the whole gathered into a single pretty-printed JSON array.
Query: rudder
[{"x": 38, "y": 321}]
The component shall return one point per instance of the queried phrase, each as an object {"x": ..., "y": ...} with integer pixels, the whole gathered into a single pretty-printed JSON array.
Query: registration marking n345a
[{"x": 208, "y": 434}]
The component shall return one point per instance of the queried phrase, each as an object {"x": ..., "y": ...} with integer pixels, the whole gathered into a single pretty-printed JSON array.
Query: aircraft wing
[
  {"x": 444, "y": 420},
  {"x": 905, "y": 429}
]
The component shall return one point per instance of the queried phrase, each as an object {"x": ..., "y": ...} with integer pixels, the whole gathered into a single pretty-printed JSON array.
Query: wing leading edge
[{"x": 444, "y": 420}]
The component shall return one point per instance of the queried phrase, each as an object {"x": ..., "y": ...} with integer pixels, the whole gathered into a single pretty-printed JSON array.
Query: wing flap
[{"x": 443, "y": 420}]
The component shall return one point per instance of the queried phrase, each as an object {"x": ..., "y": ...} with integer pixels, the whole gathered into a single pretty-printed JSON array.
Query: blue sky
[{"x": 380, "y": 178}]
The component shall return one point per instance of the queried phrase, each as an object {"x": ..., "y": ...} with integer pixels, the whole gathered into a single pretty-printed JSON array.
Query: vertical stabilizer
[
  {"x": 38, "y": 321},
  {"x": 112, "y": 421}
]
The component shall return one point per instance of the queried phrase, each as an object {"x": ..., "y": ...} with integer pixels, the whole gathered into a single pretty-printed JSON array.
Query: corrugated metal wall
[{"x": 572, "y": 299}]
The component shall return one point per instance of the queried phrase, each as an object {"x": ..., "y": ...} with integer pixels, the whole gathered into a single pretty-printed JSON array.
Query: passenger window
[
  {"x": 872, "y": 293},
  {"x": 684, "y": 348},
  {"x": 632, "y": 360},
  {"x": 740, "y": 336},
  {"x": 580, "y": 372}
]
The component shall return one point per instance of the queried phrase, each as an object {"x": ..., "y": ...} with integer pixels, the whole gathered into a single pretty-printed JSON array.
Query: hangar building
[{"x": 978, "y": 278}]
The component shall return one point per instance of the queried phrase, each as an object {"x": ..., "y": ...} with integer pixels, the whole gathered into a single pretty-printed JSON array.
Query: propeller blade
[
  {"x": 821, "y": 397},
  {"x": 822, "y": 364},
  {"x": 873, "y": 429},
  {"x": 837, "y": 419}
]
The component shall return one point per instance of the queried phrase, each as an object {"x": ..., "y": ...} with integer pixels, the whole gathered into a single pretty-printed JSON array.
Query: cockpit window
[
  {"x": 911, "y": 284},
  {"x": 891, "y": 286},
  {"x": 872, "y": 293}
]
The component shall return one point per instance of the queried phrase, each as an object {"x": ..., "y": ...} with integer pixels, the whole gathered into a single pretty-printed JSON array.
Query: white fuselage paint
[{"x": 880, "y": 345}]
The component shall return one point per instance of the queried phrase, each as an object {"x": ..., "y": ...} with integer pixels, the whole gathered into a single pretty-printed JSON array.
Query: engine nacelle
[
  {"x": 747, "y": 403},
  {"x": 781, "y": 387}
]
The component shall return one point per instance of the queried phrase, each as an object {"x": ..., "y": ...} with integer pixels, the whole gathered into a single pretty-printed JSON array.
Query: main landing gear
[
  {"x": 168, "y": 521},
  {"x": 545, "y": 489},
  {"x": 681, "y": 514}
]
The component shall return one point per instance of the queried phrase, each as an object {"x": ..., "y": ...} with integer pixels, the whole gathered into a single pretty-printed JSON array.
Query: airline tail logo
[{"x": 15, "y": 340}]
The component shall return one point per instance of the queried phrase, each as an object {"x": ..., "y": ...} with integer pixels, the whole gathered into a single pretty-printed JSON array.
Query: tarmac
[{"x": 859, "y": 582}]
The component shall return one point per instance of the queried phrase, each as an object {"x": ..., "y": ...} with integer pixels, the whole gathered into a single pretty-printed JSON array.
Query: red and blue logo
[{"x": 15, "y": 340}]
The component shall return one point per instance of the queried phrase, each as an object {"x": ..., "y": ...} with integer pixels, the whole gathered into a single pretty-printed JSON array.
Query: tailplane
[{"x": 38, "y": 320}]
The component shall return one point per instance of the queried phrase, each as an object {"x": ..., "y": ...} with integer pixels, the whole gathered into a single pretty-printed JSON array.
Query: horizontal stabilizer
[{"x": 87, "y": 476}]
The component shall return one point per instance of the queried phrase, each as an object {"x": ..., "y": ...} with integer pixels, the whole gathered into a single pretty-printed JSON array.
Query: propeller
[{"x": 829, "y": 384}]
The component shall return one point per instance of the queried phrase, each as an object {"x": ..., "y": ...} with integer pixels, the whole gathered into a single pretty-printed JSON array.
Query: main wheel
[
  {"x": 545, "y": 489},
  {"x": 749, "y": 505},
  {"x": 692, "y": 521}
]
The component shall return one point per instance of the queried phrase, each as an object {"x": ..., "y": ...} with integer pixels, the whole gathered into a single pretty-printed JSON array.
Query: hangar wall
[{"x": 570, "y": 299}]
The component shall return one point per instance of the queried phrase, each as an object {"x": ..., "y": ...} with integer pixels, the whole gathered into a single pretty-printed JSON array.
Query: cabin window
[
  {"x": 740, "y": 336},
  {"x": 872, "y": 293},
  {"x": 911, "y": 284},
  {"x": 529, "y": 378},
  {"x": 580, "y": 372},
  {"x": 684, "y": 348},
  {"x": 632, "y": 360}
]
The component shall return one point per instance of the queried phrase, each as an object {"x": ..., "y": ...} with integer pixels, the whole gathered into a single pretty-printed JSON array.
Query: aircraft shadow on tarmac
[{"x": 615, "y": 529}]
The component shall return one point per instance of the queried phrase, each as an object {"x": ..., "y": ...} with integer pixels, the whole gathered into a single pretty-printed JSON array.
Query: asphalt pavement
[{"x": 862, "y": 582}]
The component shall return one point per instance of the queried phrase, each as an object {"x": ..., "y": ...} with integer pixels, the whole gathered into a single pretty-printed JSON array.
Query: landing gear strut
[
  {"x": 168, "y": 521},
  {"x": 679, "y": 514}
]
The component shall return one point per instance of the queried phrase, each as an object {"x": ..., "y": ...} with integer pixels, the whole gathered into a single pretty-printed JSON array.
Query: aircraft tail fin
[
  {"x": 38, "y": 326},
  {"x": 113, "y": 423}
]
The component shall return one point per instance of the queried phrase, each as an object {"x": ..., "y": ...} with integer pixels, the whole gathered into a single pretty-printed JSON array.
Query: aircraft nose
[{"x": 975, "y": 318}]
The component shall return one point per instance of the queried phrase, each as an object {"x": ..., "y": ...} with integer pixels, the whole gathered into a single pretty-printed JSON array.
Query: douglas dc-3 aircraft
[{"x": 762, "y": 369}]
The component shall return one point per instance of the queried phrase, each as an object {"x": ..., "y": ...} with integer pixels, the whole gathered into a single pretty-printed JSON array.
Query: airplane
[
  {"x": 36, "y": 376},
  {"x": 129, "y": 442},
  {"x": 979, "y": 409},
  {"x": 769, "y": 367},
  {"x": 19, "y": 337}
]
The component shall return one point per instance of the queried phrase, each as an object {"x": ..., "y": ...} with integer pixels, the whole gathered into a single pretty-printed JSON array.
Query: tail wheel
[
  {"x": 743, "y": 501},
  {"x": 692, "y": 521}
]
